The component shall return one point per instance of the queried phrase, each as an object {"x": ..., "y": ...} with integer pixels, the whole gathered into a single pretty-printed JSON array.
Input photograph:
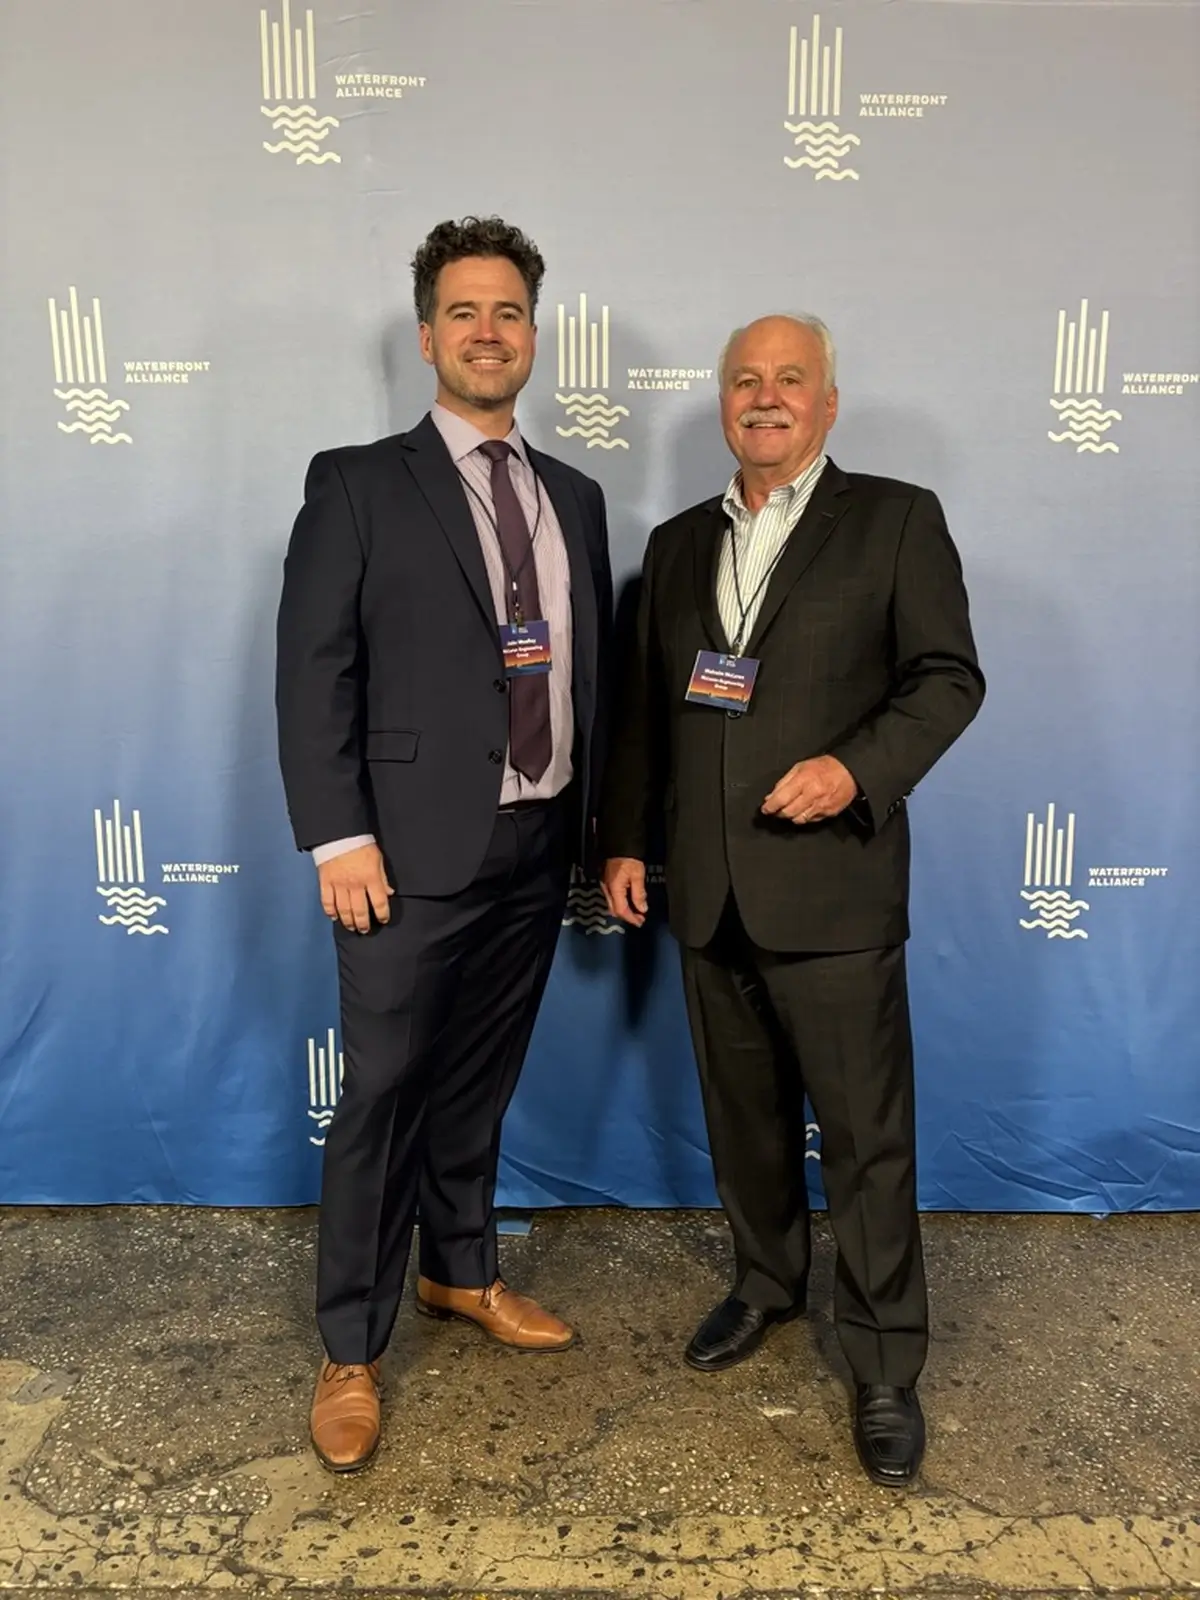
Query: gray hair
[{"x": 802, "y": 319}]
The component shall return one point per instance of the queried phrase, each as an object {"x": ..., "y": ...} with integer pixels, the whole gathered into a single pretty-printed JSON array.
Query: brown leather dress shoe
[
  {"x": 345, "y": 1416},
  {"x": 509, "y": 1317}
]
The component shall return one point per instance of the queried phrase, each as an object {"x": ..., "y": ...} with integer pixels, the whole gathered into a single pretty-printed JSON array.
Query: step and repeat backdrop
[{"x": 208, "y": 216}]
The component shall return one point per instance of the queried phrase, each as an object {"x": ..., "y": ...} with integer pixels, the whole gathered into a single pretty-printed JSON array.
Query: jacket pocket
[{"x": 392, "y": 744}]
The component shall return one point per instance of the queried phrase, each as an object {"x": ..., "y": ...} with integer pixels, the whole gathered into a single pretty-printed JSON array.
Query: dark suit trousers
[
  {"x": 767, "y": 1028},
  {"x": 437, "y": 1011}
]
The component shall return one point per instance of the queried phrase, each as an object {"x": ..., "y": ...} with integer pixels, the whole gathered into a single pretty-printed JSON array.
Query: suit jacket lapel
[
  {"x": 438, "y": 480},
  {"x": 821, "y": 516},
  {"x": 557, "y": 487},
  {"x": 707, "y": 540}
]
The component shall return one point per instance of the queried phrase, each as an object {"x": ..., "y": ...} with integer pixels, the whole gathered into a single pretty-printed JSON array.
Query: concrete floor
[{"x": 156, "y": 1368}]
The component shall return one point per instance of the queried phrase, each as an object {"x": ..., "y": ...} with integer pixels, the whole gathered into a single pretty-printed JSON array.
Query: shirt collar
[
  {"x": 734, "y": 506},
  {"x": 462, "y": 437}
]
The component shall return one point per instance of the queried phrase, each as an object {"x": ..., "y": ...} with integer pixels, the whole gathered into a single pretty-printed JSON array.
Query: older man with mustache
[{"x": 804, "y": 656}]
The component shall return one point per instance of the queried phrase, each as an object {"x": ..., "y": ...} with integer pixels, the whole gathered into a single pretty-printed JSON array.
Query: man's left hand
[{"x": 811, "y": 791}]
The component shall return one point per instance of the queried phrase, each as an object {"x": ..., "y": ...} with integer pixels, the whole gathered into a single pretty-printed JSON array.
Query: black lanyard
[
  {"x": 746, "y": 606},
  {"x": 514, "y": 605}
]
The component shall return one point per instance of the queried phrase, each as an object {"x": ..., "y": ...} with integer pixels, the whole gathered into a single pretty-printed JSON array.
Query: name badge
[
  {"x": 726, "y": 682},
  {"x": 526, "y": 648}
]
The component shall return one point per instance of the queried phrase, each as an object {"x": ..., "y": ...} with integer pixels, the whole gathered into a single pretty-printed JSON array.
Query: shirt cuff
[{"x": 321, "y": 853}]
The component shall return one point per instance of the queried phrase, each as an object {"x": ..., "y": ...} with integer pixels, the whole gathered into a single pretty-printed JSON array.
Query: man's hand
[
  {"x": 353, "y": 885},
  {"x": 811, "y": 791},
  {"x": 624, "y": 883}
]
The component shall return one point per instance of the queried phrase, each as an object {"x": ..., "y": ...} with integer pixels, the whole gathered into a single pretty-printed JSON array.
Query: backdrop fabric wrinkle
[{"x": 205, "y": 276}]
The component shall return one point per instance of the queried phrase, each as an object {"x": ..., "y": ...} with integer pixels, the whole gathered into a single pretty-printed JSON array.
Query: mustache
[{"x": 749, "y": 418}]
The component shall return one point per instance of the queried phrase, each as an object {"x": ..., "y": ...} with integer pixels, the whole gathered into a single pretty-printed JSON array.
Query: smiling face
[
  {"x": 775, "y": 407},
  {"x": 481, "y": 340}
]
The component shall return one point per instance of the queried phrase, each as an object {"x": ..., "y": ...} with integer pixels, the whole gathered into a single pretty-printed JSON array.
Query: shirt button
[
  {"x": 496, "y": 756},
  {"x": 500, "y": 686}
]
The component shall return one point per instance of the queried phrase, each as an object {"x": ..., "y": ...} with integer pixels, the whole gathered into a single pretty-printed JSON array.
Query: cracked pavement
[{"x": 156, "y": 1368}]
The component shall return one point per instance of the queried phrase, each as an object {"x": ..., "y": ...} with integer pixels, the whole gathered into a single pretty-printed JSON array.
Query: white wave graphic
[
  {"x": 94, "y": 414},
  {"x": 594, "y": 417},
  {"x": 1086, "y": 422},
  {"x": 291, "y": 144},
  {"x": 604, "y": 444},
  {"x": 829, "y": 129},
  {"x": 599, "y": 404},
  {"x": 109, "y": 413},
  {"x": 322, "y": 1120},
  {"x": 99, "y": 432},
  {"x": 1075, "y": 410},
  {"x": 827, "y": 147},
  {"x": 588, "y": 910},
  {"x": 1056, "y": 912},
  {"x": 304, "y": 133},
  {"x": 132, "y": 909},
  {"x": 303, "y": 116},
  {"x": 824, "y": 147},
  {"x": 132, "y": 895}
]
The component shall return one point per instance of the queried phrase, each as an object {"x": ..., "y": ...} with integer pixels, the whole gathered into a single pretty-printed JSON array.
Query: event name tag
[
  {"x": 726, "y": 682},
  {"x": 526, "y": 648}
]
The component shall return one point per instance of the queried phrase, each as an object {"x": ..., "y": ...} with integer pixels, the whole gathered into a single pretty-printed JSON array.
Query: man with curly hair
[{"x": 446, "y": 606}]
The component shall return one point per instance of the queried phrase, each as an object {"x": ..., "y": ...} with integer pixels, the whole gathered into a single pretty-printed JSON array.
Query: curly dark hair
[{"x": 473, "y": 236}]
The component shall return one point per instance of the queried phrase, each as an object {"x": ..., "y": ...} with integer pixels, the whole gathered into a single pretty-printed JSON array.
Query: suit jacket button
[
  {"x": 500, "y": 686},
  {"x": 734, "y": 714},
  {"x": 496, "y": 756}
]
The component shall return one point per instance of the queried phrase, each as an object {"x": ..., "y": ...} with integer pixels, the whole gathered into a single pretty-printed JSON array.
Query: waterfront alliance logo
[
  {"x": 80, "y": 364},
  {"x": 1080, "y": 373},
  {"x": 583, "y": 380},
  {"x": 288, "y": 64},
  {"x": 326, "y": 1069},
  {"x": 1050, "y": 872},
  {"x": 814, "y": 106},
  {"x": 289, "y": 85},
  {"x": 1049, "y": 868},
  {"x": 121, "y": 873},
  {"x": 584, "y": 389},
  {"x": 1081, "y": 378}
]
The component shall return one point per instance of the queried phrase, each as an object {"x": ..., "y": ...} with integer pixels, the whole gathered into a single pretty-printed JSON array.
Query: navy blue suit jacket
[{"x": 390, "y": 689}]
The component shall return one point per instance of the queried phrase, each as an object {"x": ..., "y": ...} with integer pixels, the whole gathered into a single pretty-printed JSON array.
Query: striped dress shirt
[
  {"x": 462, "y": 440},
  {"x": 759, "y": 537}
]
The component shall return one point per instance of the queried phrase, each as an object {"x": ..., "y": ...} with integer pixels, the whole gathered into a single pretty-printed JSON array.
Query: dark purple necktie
[{"x": 528, "y": 697}]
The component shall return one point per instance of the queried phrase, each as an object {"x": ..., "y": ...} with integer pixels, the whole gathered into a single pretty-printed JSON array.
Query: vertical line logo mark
[
  {"x": 81, "y": 372},
  {"x": 121, "y": 874},
  {"x": 583, "y": 379},
  {"x": 289, "y": 86},
  {"x": 326, "y": 1069},
  {"x": 1049, "y": 868},
  {"x": 1080, "y": 371},
  {"x": 815, "y": 97}
]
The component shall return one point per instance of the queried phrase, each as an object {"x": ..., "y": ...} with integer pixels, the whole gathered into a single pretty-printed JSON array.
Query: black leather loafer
[
  {"x": 889, "y": 1433},
  {"x": 730, "y": 1333}
]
